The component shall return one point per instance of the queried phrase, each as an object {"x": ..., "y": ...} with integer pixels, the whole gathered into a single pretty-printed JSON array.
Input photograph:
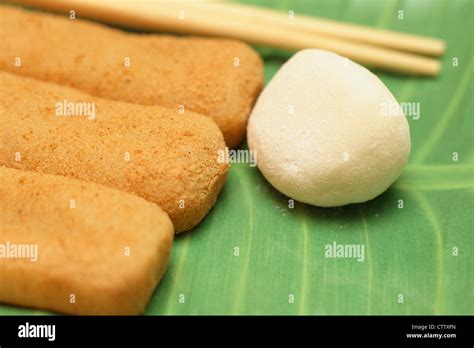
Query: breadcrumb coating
[
  {"x": 166, "y": 157},
  {"x": 102, "y": 255},
  {"x": 218, "y": 78}
]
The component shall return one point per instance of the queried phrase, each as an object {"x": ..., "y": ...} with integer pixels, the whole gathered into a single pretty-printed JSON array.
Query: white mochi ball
[{"x": 325, "y": 132}]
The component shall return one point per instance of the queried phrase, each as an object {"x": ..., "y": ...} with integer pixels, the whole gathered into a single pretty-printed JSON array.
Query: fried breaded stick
[
  {"x": 76, "y": 247},
  {"x": 215, "y": 77},
  {"x": 166, "y": 157}
]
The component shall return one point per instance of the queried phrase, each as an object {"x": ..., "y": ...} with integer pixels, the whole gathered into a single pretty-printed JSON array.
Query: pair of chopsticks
[{"x": 376, "y": 48}]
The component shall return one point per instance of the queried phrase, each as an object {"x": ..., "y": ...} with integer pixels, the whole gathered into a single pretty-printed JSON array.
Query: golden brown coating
[
  {"x": 198, "y": 73},
  {"x": 166, "y": 157},
  {"x": 76, "y": 247}
]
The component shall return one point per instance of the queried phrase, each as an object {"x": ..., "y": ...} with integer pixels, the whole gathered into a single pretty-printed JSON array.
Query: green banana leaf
[{"x": 253, "y": 254}]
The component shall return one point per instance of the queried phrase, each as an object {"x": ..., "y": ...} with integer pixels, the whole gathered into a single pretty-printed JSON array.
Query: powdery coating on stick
[
  {"x": 167, "y": 158},
  {"x": 81, "y": 251},
  {"x": 198, "y": 73}
]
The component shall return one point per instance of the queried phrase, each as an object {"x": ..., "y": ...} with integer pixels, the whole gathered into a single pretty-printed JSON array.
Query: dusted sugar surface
[{"x": 324, "y": 134}]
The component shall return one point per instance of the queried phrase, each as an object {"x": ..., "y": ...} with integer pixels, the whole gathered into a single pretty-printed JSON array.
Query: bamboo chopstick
[
  {"x": 256, "y": 22},
  {"x": 351, "y": 32},
  {"x": 218, "y": 19}
]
